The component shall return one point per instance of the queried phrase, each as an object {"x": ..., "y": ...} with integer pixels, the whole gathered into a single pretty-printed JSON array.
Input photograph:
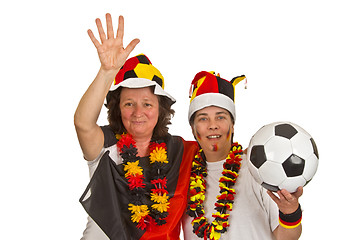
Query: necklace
[
  {"x": 145, "y": 215},
  {"x": 201, "y": 227}
]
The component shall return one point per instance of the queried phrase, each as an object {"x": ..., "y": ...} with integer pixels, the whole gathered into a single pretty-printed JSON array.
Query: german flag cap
[
  {"x": 208, "y": 89},
  {"x": 138, "y": 72}
]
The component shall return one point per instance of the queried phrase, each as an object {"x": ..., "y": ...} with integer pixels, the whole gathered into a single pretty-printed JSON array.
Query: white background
[{"x": 302, "y": 63}]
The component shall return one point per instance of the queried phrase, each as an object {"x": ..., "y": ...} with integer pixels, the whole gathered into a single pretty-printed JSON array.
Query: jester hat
[
  {"x": 138, "y": 72},
  {"x": 207, "y": 89}
]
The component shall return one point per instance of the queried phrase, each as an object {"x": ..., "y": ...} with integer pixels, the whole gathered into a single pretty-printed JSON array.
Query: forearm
[
  {"x": 282, "y": 233},
  {"x": 90, "y": 135},
  {"x": 90, "y": 105},
  {"x": 289, "y": 225},
  {"x": 112, "y": 57}
]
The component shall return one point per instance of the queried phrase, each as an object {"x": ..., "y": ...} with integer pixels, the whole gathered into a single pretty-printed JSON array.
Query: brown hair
[{"x": 114, "y": 114}]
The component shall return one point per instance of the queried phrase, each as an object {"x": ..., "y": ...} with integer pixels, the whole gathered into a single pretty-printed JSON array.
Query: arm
[
  {"x": 112, "y": 57},
  {"x": 287, "y": 234},
  {"x": 288, "y": 203}
]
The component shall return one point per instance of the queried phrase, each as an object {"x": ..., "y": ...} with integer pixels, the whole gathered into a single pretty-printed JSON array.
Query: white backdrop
[{"x": 302, "y": 63}]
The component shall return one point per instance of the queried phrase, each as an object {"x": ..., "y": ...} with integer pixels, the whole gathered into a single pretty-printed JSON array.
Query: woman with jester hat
[
  {"x": 225, "y": 202},
  {"x": 135, "y": 165}
]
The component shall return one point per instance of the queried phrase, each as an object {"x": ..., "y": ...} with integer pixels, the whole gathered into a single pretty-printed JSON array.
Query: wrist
[
  {"x": 107, "y": 76},
  {"x": 291, "y": 220},
  {"x": 108, "y": 72}
]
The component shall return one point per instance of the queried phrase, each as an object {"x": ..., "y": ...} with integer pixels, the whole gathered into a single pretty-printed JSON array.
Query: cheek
[
  {"x": 198, "y": 132},
  {"x": 197, "y": 135},
  {"x": 125, "y": 114},
  {"x": 228, "y": 134},
  {"x": 153, "y": 116}
]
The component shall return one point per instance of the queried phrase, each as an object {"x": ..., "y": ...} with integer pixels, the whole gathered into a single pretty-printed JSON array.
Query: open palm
[{"x": 111, "y": 51}]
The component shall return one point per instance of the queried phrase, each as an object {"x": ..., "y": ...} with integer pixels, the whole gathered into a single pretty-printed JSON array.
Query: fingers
[
  {"x": 286, "y": 201},
  {"x": 273, "y": 197},
  {"x": 100, "y": 30},
  {"x": 110, "y": 34},
  {"x": 120, "y": 34},
  {"x": 299, "y": 192},
  {"x": 131, "y": 45},
  {"x": 93, "y": 39},
  {"x": 285, "y": 196},
  {"x": 120, "y": 30},
  {"x": 109, "y": 26},
  {"x": 291, "y": 196}
]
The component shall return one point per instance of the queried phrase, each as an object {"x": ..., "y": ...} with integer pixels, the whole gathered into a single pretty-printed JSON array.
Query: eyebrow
[
  {"x": 222, "y": 112},
  {"x": 201, "y": 114},
  {"x": 132, "y": 99},
  {"x": 217, "y": 113}
]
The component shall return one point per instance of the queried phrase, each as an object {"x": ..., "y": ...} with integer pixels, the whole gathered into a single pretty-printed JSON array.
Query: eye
[
  {"x": 147, "y": 104},
  {"x": 128, "y": 104}
]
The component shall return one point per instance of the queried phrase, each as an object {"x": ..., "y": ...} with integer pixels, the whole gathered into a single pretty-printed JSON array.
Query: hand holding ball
[{"x": 282, "y": 155}]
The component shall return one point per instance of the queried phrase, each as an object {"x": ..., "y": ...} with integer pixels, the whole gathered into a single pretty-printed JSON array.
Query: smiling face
[
  {"x": 213, "y": 128},
  {"x": 139, "y": 111}
]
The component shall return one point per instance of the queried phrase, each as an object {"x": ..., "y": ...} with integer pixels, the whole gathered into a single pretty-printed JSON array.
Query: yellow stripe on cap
[
  {"x": 148, "y": 71},
  {"x": 198, "y": 84}
]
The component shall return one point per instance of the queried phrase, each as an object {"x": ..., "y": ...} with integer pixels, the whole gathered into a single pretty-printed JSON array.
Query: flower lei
[
  {"x": 142, "y": 214},
  {"x": 201, "y": 227}
]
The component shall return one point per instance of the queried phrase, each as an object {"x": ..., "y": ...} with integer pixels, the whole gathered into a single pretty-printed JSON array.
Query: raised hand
[
  {"x": 111, "y": 51},
  {"x": 112, "y": 56}
]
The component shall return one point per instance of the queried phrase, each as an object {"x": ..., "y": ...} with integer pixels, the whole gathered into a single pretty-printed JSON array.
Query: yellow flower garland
[
  {"x": 158, "y": 155},
  {"x": 202, "y": 228},
  {"x": 132, "y": 168},
  {"x": 139, "y": 211}
]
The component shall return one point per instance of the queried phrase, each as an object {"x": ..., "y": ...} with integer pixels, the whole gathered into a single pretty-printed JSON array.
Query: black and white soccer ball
[{"x": 282, "y": 155}]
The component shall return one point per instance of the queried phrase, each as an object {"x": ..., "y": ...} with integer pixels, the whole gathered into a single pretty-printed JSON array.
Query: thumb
[
  {"x": 130, "y": 47},
  {"x": 299, "y": 192}
]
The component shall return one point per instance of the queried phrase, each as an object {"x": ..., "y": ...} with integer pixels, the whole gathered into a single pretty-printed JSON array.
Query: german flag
[{"x": 106, "y": 197}]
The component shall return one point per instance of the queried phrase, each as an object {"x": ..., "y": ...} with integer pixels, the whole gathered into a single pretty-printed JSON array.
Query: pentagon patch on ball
[{"x": 282, "y": 155}]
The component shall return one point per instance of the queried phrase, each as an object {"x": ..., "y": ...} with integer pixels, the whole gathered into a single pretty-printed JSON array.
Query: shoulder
[
  {"x": 109, "y": 136},
  {"x": 177, "y": 140}
]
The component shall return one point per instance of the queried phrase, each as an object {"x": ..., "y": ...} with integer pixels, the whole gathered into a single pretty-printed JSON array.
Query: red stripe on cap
[
  {"x": 211, "y": 85},
  {"x": 129, "y": 65}
]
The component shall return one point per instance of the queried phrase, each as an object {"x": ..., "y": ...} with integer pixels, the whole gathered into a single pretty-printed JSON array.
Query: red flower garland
[{"x": 146, "y": 216}]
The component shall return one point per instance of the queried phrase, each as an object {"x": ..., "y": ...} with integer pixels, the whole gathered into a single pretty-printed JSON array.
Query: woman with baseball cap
[{"x": 135, "y": 165}]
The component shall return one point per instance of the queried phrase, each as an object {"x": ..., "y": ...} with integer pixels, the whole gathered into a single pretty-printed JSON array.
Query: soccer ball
[{"x": 282, "y": 155}]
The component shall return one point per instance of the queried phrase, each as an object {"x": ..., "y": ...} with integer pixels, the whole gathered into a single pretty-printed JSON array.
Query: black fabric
[
  {"x": 109, "y": 136},
  {"x": 158, "y": 80},
  {"x": 109, "y": 199},
  {"x": 225, "y": 87},
  {"x": 292, "y": 217},
  {"x": 130, "y": 74},
  {"x": 143, "y": 59},
  {"x": 108, "y": 188}
]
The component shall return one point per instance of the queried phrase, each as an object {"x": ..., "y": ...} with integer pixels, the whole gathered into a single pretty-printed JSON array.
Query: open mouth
[{"x": 213, "y": 136}]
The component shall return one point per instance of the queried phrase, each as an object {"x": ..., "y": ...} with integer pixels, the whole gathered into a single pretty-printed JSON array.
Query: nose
[
  {"x": 137, "y": 110},
  {"x": 213, "y": 125}
]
